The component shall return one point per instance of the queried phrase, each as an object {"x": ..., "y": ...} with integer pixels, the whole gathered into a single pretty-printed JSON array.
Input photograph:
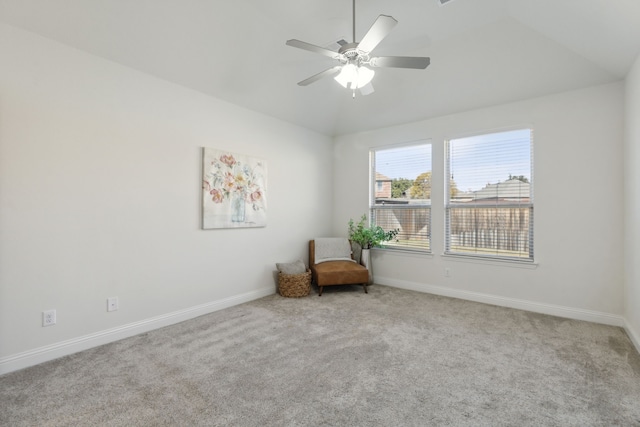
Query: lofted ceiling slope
[{"x": 483, "y": 52}]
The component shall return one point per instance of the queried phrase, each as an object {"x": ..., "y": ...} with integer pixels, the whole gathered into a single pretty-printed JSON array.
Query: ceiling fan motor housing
[
  {"x": 349, "y": 50},
  {"x": 353, "y": 55}
]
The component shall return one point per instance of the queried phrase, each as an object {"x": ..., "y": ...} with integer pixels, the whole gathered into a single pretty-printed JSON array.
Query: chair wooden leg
[
  {"x": 364, "y": 285},
  {"x": 320, "y": 291}
]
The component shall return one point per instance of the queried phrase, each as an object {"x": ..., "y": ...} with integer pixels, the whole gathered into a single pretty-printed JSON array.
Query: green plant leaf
[{"x": 368, "y": 237}]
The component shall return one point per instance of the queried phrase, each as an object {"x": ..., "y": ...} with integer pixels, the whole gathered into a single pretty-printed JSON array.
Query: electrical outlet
[
  {"x": 112, "y": 304},
  {"x": 447, "y": 272},
  {"x": 48, "y": 318}
]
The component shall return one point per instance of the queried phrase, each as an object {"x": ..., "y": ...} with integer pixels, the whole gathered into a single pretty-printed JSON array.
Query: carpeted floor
[{"x": 389, "y": 358}]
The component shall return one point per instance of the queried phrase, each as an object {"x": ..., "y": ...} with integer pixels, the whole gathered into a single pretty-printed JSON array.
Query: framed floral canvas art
[{"x": 233, "y": 190}]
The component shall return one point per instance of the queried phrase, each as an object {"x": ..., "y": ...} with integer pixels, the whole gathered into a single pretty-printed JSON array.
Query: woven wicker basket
[{"x": 294, "y": 285}]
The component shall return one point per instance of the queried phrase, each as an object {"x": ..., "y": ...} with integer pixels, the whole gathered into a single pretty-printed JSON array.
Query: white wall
[
  {"x": 100, "y": 195},
  {"x": 578, "y": 183},
  {"x": 632, "y": 203}
]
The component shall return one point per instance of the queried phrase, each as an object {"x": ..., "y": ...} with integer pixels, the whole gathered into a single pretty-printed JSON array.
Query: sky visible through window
[
  {"x": 476, "y": 161},
  {"x": 404, "y": 162},
  {"x": 488, "y": 159}
]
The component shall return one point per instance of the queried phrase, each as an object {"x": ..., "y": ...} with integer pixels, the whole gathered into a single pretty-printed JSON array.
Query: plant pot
[
  {"x": 365, "y": 260},
  {"x": 356, "y": 249}
]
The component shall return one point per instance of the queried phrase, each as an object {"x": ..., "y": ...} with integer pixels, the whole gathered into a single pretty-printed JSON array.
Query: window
[
  {"x": 401, "y": 194},
  {"x": 489, "y": 202}
]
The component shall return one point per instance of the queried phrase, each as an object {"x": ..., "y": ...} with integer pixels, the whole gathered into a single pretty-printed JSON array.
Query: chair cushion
[
  {"x": 332, "y": 249},
  {"x": 339, "y": 273}
]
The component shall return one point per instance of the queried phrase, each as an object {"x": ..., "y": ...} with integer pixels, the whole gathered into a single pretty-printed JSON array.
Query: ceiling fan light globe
[
  {"x": 354, "y": 77},
  {"x": 348, "y": 75},
  {"x": 365, "y": 75}
]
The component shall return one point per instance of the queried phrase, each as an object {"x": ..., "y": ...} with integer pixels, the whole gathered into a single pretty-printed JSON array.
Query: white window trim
[
  {"x": 479, "y": 258},
  {"x": 372, "y": 196},
  {"x": 501, "y": 262}
]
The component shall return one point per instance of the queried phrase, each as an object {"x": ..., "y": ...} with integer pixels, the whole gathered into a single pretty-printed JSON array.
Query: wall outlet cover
[
  {"x": 48, "y": 318},
  {"x": 112, "y": 304}
]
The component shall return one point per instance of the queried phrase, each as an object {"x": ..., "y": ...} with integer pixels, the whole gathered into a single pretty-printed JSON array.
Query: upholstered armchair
[{"x": 331, "y": 263}]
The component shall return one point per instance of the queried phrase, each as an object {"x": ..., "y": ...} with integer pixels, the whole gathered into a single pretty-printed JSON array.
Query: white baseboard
[
  {"x": 554, "y": 310},
  {"x": 64, "y": 348},
  {"x": 633, "y": 335}
]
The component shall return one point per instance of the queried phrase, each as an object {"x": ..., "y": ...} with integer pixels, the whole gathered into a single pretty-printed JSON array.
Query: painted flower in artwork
[
  {"x": 217, "y": 195},
  {"x": 229, "y": 179}
]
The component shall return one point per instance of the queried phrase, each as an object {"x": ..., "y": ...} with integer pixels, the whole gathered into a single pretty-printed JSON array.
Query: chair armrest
[{"x": 312, "y": 252}]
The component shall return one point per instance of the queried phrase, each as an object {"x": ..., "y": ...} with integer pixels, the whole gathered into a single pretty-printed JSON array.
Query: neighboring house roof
[
  {"x": 510, "y": 189},
  {"x": 380, "y": 177}
]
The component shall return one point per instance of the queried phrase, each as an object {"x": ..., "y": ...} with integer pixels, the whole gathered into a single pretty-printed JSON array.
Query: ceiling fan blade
[
  {"x": 378, "y": 31},
  {"x": 313, "y": 48},
  {"x": 366, "y": 89},
  {"x": 418, "y": 62},
  {"x": 328, "y": 72}
]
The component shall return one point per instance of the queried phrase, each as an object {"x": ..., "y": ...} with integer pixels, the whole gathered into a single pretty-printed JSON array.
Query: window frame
[
  {"x": 425, "y": 207},
  {"x": 449, "y": 205}
]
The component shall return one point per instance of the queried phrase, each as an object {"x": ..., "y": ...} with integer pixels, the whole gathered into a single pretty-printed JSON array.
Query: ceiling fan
[{"x": 354, "y": 57}]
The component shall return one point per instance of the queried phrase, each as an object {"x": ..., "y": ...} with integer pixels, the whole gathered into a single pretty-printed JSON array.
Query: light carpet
[{"x": 388, "y": 358}]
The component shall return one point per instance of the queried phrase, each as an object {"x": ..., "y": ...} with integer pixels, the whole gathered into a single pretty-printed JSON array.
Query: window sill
[
  {"x": 530, "y": 265},
  {"x": 416, "y": 253}
]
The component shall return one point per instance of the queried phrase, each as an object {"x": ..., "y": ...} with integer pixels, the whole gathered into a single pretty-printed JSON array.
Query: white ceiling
[{"x": 483, "y": 52}]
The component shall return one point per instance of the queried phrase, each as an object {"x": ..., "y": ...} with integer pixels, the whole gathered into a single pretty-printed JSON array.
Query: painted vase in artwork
[{"x": 237, "y": 209}]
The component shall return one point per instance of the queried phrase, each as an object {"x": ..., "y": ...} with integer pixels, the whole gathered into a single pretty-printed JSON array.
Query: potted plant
[{"x": 368, "y": 237}]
